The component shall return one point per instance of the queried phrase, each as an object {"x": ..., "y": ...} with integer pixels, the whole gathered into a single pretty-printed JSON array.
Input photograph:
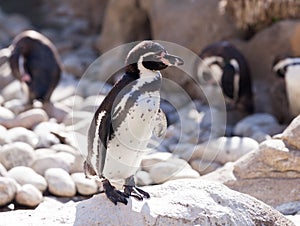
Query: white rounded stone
[
  {"x": 260, "y": 122},
  {"x": 63, "y": 148},
  {"x": 15, "y": 105},
  {"x": 8, "y": 189},
  {"x": 143, "y": 178},
  {"x": 3, "y": 139},
  {"x": 25, "y": 175},
  {"x": 171, "y": 170},
  {"x": 13, "y": 91},
  {"x": 204, "y": 167},
  {"x": 23, "y": 135},
  {"x": 5, "y": 114},
  {"x": 16, "y": 154},
  {"x": 156, "y": 157},
  {"x": 84, "y": 185},
  {"x": 3, "y": 171},
  {"x": 29, "y": 195},
  {"x": 224, "y": 149},
  {"x": 43, "y": 131},
  {"x": 41, "y": 164},
  {"x": 77, "y": 116},
  {"x": 73, "y": 102},
  {"x": 60, "y": 182}
]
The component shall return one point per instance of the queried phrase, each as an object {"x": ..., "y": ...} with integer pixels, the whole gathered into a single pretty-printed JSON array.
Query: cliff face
[{"x": 256, "y": 14}]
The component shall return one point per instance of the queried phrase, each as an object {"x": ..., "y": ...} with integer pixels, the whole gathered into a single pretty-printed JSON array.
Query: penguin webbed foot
[
  {"x": 113, "y": 194},
  {"x": 131, "y": 190},
  {"x": 135, "y": 192}
]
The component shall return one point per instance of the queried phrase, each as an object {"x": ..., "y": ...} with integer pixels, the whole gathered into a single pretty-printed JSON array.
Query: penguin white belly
[
  {"x": 292, "y": 79},
  {"x": 126, "y": 149}
]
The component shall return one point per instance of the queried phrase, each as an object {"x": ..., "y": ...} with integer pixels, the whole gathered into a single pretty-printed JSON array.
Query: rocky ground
[{"x": 42, "y": 149}]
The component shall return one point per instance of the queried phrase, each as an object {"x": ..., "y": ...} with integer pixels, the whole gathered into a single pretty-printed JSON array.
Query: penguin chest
[
  {"x": 292, "y": 79},
  {"x": 131, "y": 137}
]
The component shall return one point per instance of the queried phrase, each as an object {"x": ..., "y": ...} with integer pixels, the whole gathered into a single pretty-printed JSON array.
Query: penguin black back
[{"x": 35, "y": 61}]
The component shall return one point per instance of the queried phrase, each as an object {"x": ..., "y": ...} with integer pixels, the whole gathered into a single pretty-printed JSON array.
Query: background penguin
[
  {"x": 221, "y": 63},
  {"x": 286, "y": 92},
  {"x": 123, "y": 124},
  {"x": 34, "y": 60}
]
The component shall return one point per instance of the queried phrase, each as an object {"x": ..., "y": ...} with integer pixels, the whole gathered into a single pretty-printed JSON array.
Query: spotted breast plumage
[{"x": 124, "y": 122}]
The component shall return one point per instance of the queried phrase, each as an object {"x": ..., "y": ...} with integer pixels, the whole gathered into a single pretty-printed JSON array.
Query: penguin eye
[
  {"x": 281, "y": 72},
  {"x": 158, "y": 55}
]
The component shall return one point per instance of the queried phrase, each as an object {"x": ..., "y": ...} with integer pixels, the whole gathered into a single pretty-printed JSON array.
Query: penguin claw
[
  {"x": 143, "y": 193},
  {"x": 113, "y": 194},
  {"x": 135, "y": 192}
]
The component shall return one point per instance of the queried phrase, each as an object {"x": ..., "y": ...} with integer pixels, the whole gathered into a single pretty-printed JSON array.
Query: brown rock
[
  {"x": 130, "y": 23},
  {"x": 292, "y": 133},
  {"x": 270, "y": 174},
  {"x": 255, "y": 15},
  {"x": 193, "y": 24},
  {"x": 272, "y": 160}
]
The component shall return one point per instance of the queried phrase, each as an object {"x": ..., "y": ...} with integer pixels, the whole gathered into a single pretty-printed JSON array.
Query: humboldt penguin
[
  {"x": 286, "y": 88},
  {"x": 222, "y": 64},
  {"x": 123, "y": 124},
  {"x": 34, "y": 61}
]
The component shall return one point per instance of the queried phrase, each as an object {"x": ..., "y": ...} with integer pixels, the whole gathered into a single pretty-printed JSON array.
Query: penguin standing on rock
[
  {"x": 124, "y": 122},
  {"x": 222, "y": 64},
  {"x": 34, "y": 60},
  {"x": 286, "y": 90}
]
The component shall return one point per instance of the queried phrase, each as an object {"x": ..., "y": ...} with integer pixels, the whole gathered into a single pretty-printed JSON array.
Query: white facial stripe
[
  {"x": 96, "y": 138},
  {"x": 208, "y": 64},
  {"x": 21, "y": 65},
  {"x": 236, "y": 79},
  {"x": 216, "y": 72},
  {"x": 235, "y": 64},
  {"x": 147, "y": 54},
  {"x": 209, "y": 60},
  {"x": 285, "y": 62}
]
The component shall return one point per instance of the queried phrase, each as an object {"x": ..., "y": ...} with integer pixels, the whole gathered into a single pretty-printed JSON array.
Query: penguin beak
[{"x": 170, "y": 60}]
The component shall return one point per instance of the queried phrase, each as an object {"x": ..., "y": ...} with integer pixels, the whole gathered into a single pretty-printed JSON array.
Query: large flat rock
[{"x": 180, "y": 202}]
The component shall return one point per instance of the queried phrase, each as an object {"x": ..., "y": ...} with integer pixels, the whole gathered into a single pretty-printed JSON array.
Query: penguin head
[
  {"x": 210, "y": 70},
  {"x": 149, "y": 55},
  {"x": 216, "y": 70}
]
